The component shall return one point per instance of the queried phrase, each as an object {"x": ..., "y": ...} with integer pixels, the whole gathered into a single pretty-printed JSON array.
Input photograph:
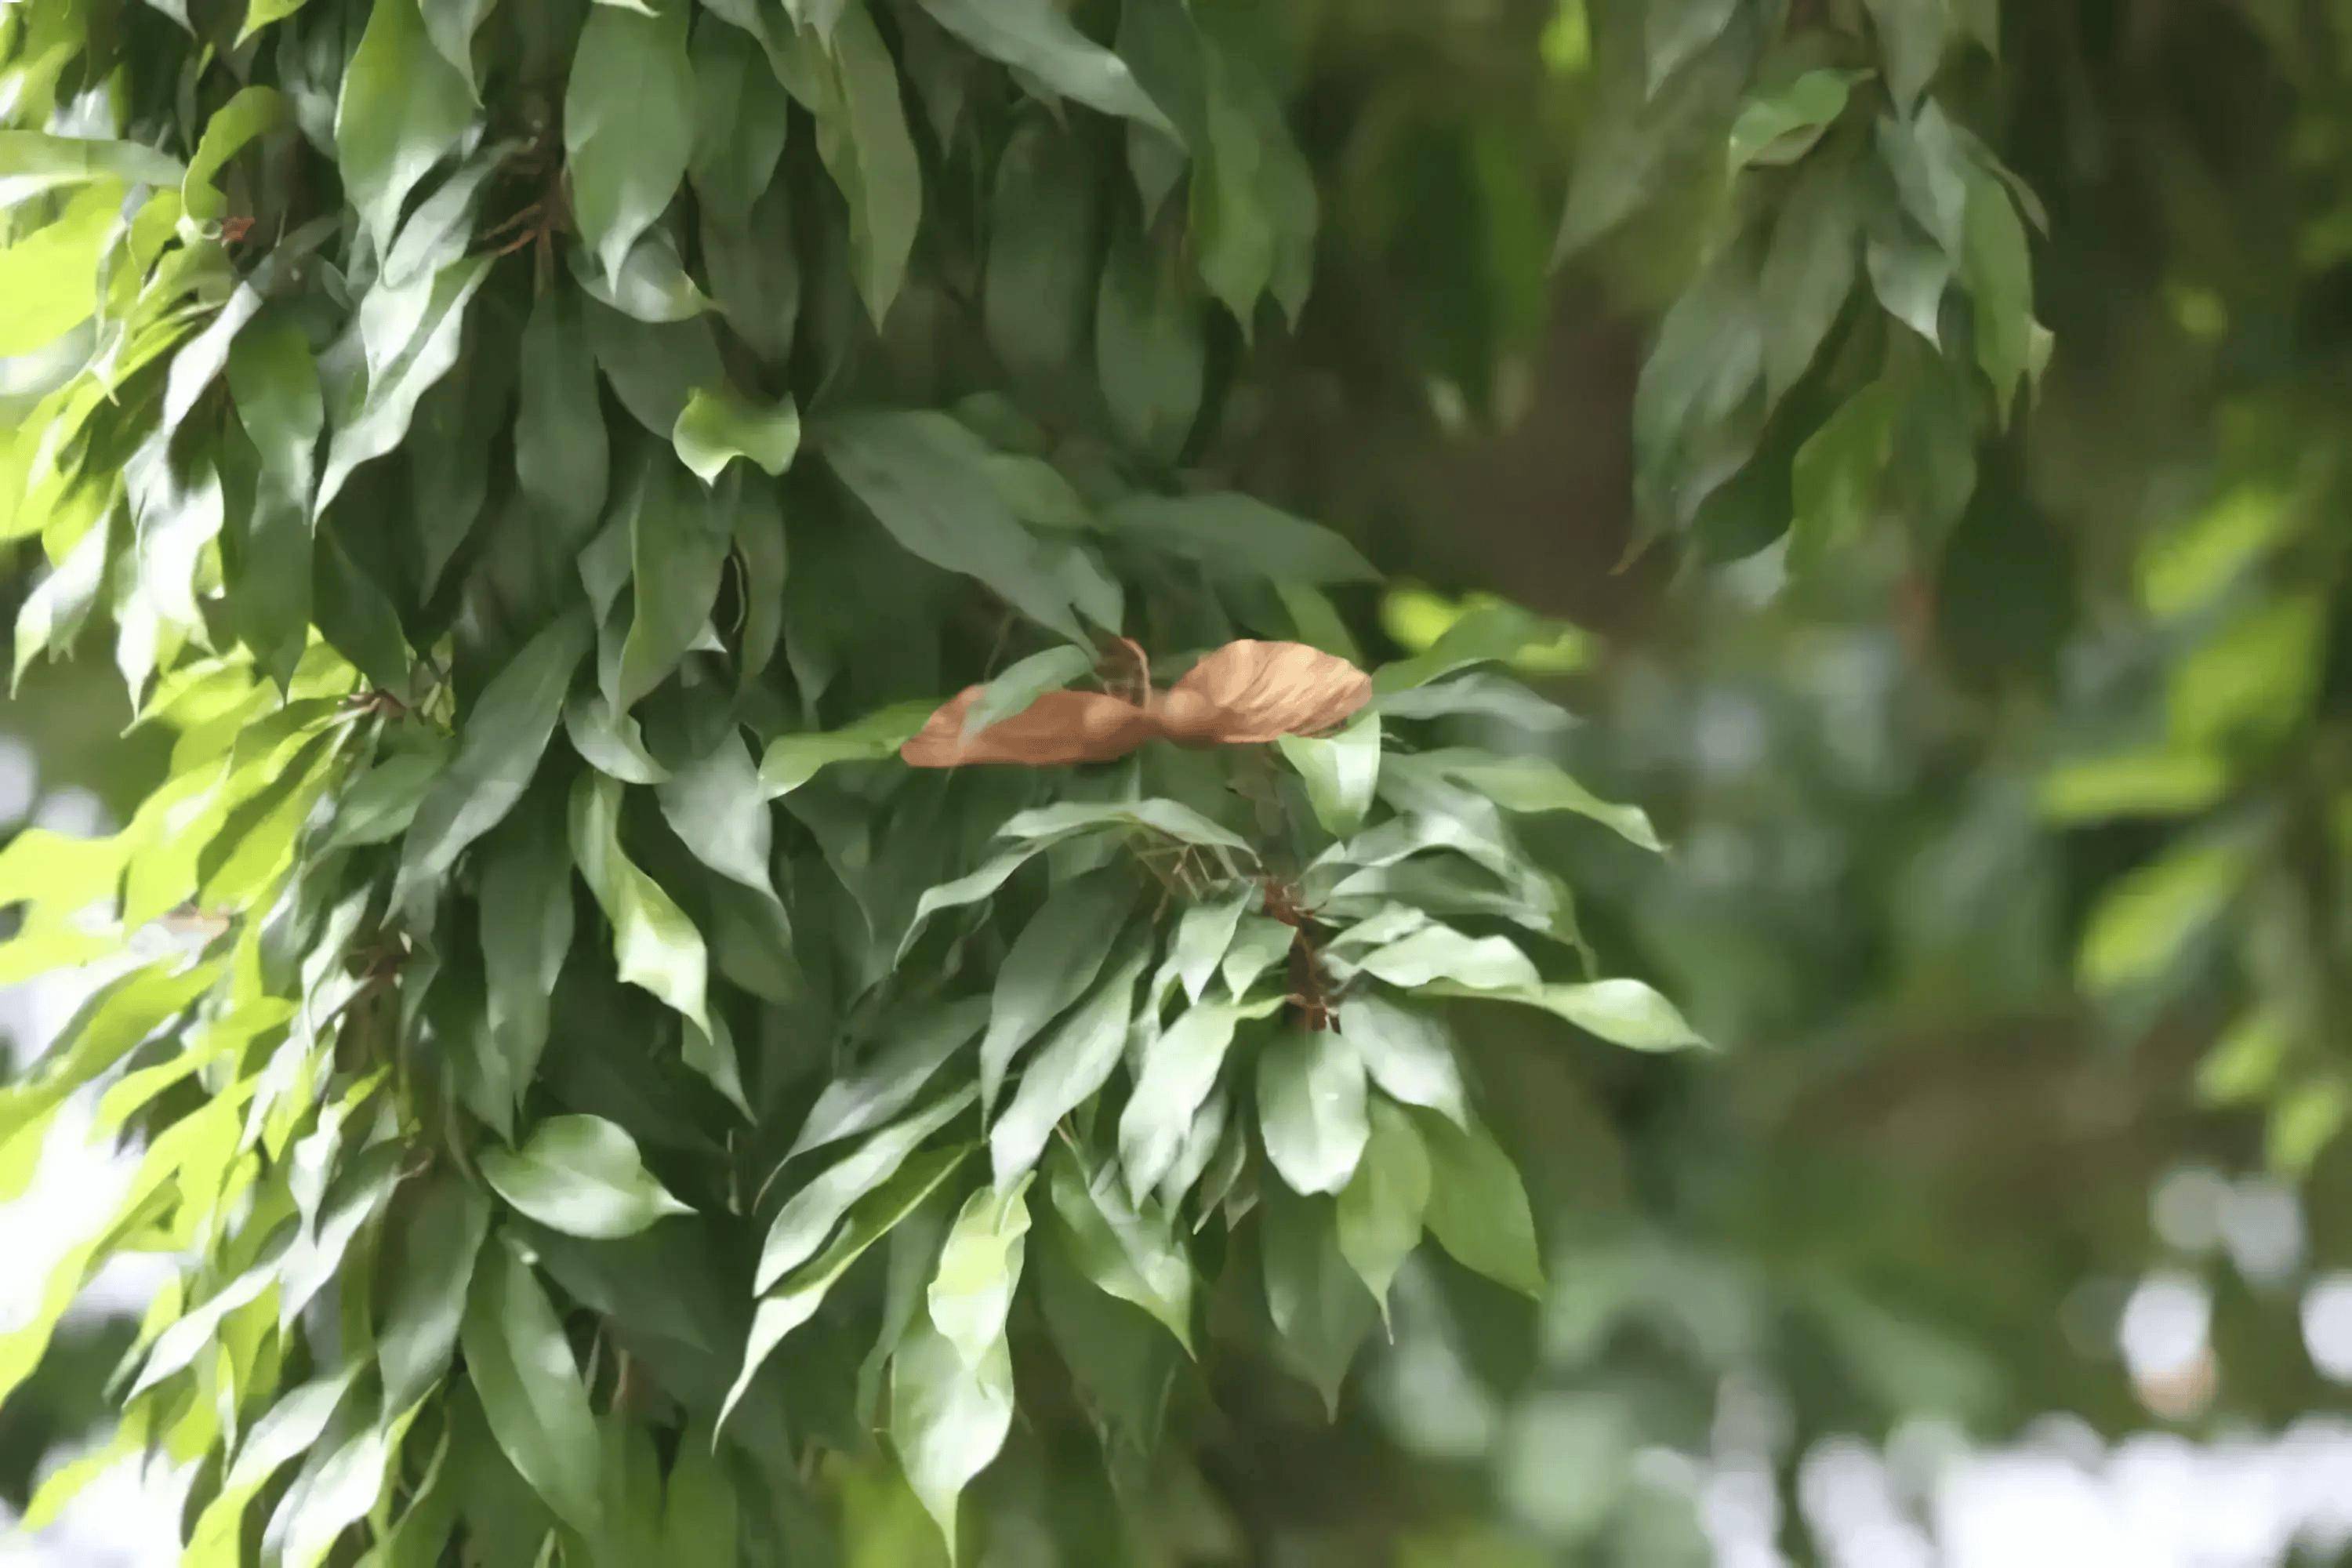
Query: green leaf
[
  {"x": 924, "y": 479},
  {"x": 790, "y": 761},
  {"x": 1489, "y": 632},
  {"x": 1151, "y": 350},
  {"x": 1623, "y": 1012},
  {"x": 701, "y": 1516},
  {"x": 653, "y": 944},
  {"x": 1035, "y": 38},
  {"x": 678, "y": 545},
  {"x": 1478, "y": 1209},
  {"x": 1340, "y": 771},
  {"x": 862, "y": 135},
  {"x": 1128, "y": 1252},
  {"x": 651, "y": 285},
  {"x": 1438, "y": 952},
  {"x": 437, "y": 1242},
  {"x": 885, "y": 1085},
  {"x": 2137, "y": 931},
  {"x": 1533, "y": 785},
  {"x": 1051, "y": 965},
  {"x": 252, "y": 112},
  {"x": 970, "y": 1295},
  {"x": 741, "y": 114},
  {"x": 274, "y": 385},
  {"x": 1234, "y": 535},
  {"x": 948, "y": 1419},
  {"x": 608, "y": 742},
  {"x": 628, "y": 125},
  {"x": 1204, "y": 932},
  {"x": 1911, "y": 38},
  {"x": 754, "y": 272},
  {"x": 1782, "y": 126},
  {"x": 810, "y": 1215},
  {"x": 1380, "y": 1210},
  {"x": 1999, "y": 276},
  {"x": 1931, "y": 172},
  {"x": 1319, "y": 1308},
  {"x": 1170, "y": 818},
  {"x": 1836, "y": 477},
  {"x": 717, "y": 426},
  {"x": 1909, "y": 276},
  {"x": 520, "y": 1363},
  {"x": 452, "y": 24},
  {"x": 1675, "y": 31},
  {"x": 1259, "y": 943},
  {"x": 1069, "y": 1066},
  {"x": 380, "y": 419},
  {"x": 1808, "y": 269},
  {"x": 402, "y": 109},
  {"x": 499, "y": 749},
  {"x": 1180, "y": 1066},
  {"x": 1040, "y": 253},
  {"x": 49, "y": 276},
  {"x": 890, "y": 1194},
  {"x": 581, "y": 1176},
  {"x": 1310, "y": 1107},
  {"x": 1407, "y": 1053},
  {"x": 562, "y": 451},
  {"x": 1026, "y": 680}
]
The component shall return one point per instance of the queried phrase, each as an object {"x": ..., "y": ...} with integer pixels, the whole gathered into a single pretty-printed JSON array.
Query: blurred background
[{"x": 2012, "y": 867}]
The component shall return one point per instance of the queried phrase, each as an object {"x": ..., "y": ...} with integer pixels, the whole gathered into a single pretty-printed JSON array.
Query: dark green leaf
[
  {"x": 1069, "y": 1066},
  {"x": 519, "y": 1363},
  {"x": 1050, "y": 965},
  {"x": 628, "y": 125},
  {"x": 437, "y": 1240},
  {"x": 1318, "y": 1306}
]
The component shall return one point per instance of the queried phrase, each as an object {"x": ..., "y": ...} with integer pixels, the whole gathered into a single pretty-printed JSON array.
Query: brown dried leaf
[
  {"x": 1249, "y": 693},
  {"x": 1058, "y": 729}
]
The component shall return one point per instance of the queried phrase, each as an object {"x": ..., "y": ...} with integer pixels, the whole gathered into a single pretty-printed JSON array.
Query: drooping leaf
[
  {"x": 1053, "y": 963},
  {"x": 581, "y": 1176},
  {"x": 402, "y": 109},
  {"x": 518, "y": 1360},
  {"x": 1068, "y": 1067},
  {"x": 628, "y": 124},
  {"x": 1478, "y": 1209},
  {"x": 1380, "y": 1210},
  {"x": 1311, "y": 1108}
]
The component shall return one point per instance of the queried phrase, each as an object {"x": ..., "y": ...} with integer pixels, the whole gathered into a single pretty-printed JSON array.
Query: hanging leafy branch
[{"x": 534, "y": 449}]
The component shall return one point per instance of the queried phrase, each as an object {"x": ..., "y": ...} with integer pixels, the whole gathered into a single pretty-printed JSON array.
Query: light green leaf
[
  {"x": 1310, "y": 1107},
  {"x": 1180, "y": 1066},
  {"x": 716, "y": 428},
  {"x": 653, "y": 944},
  {"x": 1782, "y": 126},
  {"x": 913, "y": 1052},
  {"x": 948, "y": 1419},
  {"x": 402, "y": 109},
  {"x": 581, "y": 1176},
  {"x": 1999, "y": 275},
  {"x": 2137, "y": 931},
  {"x": 1439, "y": 952},
  {"x": 924, "y": 479},
  {"x": 890, "y": 1195},
  {"x": 1380, "y": 1210},
  {"x": 1532, "y": 785},
  {"x": 1259, "y": 943},
  {"x": 499, "y": 748},
  {"x": 1204, "y": 932},
  {"x": 810, "y": 1215},
  {"x": 970, "y": 1294},
  {"x": 520, "y": 1363},
  {"x": 1623, "y": 1012},
  {"x": 1072, "y": 1063},
  {"x": 252, "y": 111},
  {"x": 608, "y": 742},
  {"x": 701, "y": 1516},
  {"x": 451, "y": 24},
  {"x": 49, "y": 277},
  {"x": 1478, "y": 1209},
  {"x": 790, "y": 761},
  {"x": 1407, "y": 1053},
  {"x": 381, "y": 417},
  {"x": 1051, "y": 965},
  {"x": 628, "y": 125},
  {"x": 1127, "y": 1251},
  {"x": 1168, "y": 818},
  {"x": 1341, "y": 771},
  {"x": 1909, "y": 276},
  {"x": 652, "y": 284},
  {"x": 1911, "y": 38},
  {"x": 1931, "y": 172}
]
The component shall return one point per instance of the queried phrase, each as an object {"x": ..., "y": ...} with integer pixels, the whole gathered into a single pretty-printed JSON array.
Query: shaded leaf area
[{"x": 538, "y": 466}]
